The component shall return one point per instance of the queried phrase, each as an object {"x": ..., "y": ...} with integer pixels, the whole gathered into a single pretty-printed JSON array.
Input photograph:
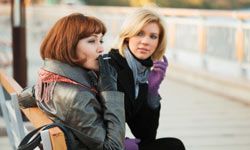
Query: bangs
[
  {"x": 61, "y": 41},
  {"x": 91, "y": 26}
]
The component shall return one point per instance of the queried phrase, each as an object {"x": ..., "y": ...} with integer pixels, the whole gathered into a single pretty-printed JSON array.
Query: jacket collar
[
  {"x": 74, "y": 73},
  {"x": 119, "y": 59},
  {"x": 125, "y": 75}
]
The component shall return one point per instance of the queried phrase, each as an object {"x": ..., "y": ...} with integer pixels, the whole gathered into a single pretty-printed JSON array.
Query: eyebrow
[
  {"x": 151, "y": 32},
  {"x": 93, "y": 35},
  {"x": 96, "y": 35}
]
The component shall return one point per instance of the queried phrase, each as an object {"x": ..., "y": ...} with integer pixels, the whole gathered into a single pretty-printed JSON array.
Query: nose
[
  {"x": 145, "y": 40},
  {"x": 100, "y": 48}
]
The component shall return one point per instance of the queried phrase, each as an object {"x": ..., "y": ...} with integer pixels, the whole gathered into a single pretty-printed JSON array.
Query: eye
[
  {"x": 91, "y": 41},
  {"x": 101, "y": 41},
  {"x": 140, "y": 33},
  {"x": 153, "y": 36}
]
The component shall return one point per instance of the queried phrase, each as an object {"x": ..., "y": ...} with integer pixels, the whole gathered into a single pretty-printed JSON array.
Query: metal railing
[{"x": 223, "y": 35}]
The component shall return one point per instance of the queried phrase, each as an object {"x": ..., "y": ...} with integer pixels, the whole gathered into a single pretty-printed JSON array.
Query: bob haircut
[
  {"x": 61, "y": 41},
  {"x": 134, "y": 24}
]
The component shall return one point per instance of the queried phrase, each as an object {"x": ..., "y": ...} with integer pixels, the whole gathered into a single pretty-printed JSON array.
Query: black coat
[{"x": 141, "y": 119}]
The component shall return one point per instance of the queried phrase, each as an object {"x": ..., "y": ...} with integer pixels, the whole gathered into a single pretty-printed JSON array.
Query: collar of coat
[
  {"x": 125, "y": 75},
  {"x": 119, "y": 59},
  {"x": 74, "y": 73}
]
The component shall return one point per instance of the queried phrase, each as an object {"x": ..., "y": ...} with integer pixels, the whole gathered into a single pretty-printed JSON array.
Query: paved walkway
[
  {"x": 202, "y": 120},
  {"x": 4, "y": 142}
]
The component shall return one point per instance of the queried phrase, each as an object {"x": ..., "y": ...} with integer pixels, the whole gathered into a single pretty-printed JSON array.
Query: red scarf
[{"x": 45, "y": 80}]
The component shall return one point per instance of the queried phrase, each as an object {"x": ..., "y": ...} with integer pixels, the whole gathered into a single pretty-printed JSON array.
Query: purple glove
[
  {"x": 156, "y": 75},
  {"x": 131, "y": 144}
]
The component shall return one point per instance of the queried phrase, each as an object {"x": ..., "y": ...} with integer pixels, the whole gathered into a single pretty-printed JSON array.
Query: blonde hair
[{"x": 134, "y": 24}]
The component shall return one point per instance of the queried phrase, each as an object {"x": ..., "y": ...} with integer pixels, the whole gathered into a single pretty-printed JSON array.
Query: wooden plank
[
  {"x": 35, "y": 115},
  {"x": 10, "y": 85}
]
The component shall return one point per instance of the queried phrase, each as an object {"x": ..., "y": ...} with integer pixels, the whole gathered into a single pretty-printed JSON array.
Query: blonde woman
[{"x": 141, "y": 66}]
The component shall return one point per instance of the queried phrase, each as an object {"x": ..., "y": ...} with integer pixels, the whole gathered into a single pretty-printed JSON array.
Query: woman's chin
[{"x": 95, "y": 68}]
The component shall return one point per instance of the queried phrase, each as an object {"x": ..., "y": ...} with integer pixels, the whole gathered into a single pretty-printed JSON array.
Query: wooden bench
[{"x": 52, "y": 138}]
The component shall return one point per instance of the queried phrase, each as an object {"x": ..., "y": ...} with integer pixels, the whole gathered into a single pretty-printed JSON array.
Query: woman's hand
[
  {"x": 107, "y": 76},
  {"x": 156, "y": 75},
  {"x": 131, "y": 144}
]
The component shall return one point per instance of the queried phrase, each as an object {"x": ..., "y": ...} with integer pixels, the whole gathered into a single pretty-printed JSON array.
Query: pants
[{"x": 163, "y": 144}]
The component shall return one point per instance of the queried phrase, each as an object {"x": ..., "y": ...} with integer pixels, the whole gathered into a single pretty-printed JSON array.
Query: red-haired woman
[{"x": 77, "y": 87}]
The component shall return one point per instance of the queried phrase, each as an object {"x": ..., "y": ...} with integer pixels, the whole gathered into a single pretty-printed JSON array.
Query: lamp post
[{"x": 19, "y": 41}]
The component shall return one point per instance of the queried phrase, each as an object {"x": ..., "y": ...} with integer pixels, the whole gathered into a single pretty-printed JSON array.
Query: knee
[{"x": 177, "y": 143}]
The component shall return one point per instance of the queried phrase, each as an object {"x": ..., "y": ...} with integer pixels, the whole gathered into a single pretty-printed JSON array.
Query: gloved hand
[
  {"x": 26, "y": 98},
  {"x": 156, "y": 75},
  {"x": 107, "y": 76},
  {"x": 131, "y": 144}
]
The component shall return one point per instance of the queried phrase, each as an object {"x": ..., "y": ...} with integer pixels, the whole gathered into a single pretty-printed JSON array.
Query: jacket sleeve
[
  {"x": 153, "y": 101},
  {"x": 26, "y": 98},
  {"x": 145, "y": 124},
  {"x": 102, "y": 123}
]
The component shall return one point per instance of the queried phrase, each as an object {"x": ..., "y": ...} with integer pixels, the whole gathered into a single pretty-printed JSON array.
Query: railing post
[
  {"x": 201, "y": 37},
  {"x": 171, "y": 30},
  {"x": 239, "y": 43},
  {"x": 19, "y": 41}
]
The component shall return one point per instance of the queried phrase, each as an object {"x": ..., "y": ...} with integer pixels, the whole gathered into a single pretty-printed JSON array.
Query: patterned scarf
[{"x": 46, "y": 83}]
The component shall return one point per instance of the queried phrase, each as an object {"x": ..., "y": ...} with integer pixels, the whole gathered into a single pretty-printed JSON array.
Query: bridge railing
[{"x": 210, "y": 39}]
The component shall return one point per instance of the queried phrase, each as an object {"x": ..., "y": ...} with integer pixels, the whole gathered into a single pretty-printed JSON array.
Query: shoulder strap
[
  {"x": 30, "y": 143},
  {"x": 26, "y": 144},
  {"x": 69, "y": 138}
]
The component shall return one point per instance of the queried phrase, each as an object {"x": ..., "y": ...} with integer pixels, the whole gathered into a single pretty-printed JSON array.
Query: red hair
[{"x": 61, "y": 41}]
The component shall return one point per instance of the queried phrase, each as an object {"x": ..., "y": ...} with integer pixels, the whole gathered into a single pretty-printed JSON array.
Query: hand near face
[
  {"x": 107, "y": 76},
  {"x": 156, "y": 75},
  {"x": 131, "y": 144},
  {"x": 88, "y": 49}
]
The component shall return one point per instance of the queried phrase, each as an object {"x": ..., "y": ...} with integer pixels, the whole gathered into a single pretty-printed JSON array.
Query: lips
[{"x": 143, "y": 49}]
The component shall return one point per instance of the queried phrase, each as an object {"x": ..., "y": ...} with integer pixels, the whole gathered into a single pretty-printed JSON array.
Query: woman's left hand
[
  {"x": 107, "y": 76},
  {"x": 156, "y": 75},
  {"x": 131, "y": 144}
]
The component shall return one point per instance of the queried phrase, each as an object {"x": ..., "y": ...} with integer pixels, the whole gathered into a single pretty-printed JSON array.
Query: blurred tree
[
  {"x": 207, "y": 4},
  {"x": 195, "y": 2},
  {"x": 142, "y": 2},
  {"x": 4, "y": 1},
  {"x": 244, "y": 3},
  {"x": 201, "y": 4},
  {"x": 53, "y": 1},
  {"x": 107, "y": 2}
]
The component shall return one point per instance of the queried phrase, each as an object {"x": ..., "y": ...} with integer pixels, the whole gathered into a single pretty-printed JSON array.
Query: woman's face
[
  {"x": 145, "y": 42},
  {"x": 89, "y": 49}
]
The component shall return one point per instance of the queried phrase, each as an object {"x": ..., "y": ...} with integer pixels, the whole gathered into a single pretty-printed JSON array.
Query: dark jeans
[{"x": 164, "y": 144}]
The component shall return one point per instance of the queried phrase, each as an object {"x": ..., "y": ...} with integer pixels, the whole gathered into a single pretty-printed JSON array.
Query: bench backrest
[
  {"x": 52, "y": 138},
  {"x": 12, "y": 117}
]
